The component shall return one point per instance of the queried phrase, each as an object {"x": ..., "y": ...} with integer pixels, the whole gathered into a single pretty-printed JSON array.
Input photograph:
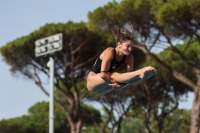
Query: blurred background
[{"x": 21, "y": 18}]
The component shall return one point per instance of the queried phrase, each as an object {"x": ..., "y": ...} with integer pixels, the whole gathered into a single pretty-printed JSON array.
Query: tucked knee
[{"x": 89, "y": 88}]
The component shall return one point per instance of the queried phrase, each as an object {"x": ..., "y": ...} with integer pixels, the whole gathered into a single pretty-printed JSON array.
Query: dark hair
[{"x": 123, "y": 35}]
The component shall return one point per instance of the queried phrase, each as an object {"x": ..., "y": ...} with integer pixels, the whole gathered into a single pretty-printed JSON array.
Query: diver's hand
[{"x": 114, "y": 84}]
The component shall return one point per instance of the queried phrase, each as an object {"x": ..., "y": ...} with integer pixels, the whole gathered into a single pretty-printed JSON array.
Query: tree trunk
[
  {"x": 195, "y": 113},
  {"x": 75, "y": 126}
]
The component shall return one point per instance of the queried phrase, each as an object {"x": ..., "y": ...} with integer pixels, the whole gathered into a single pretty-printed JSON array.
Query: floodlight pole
[
  {"x": 50, "y": 64},
  {"x": 44, "y": 46}
]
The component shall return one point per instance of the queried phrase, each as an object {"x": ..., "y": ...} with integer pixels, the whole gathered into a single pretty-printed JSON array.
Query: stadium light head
[{"x": 48, "y": 45}]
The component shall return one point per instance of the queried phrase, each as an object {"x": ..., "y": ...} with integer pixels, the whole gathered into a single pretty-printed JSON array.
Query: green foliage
[
  {"x": 134, "y": 126},
  {"x": 24, "y": 124},
  {"x": 179, "y": 18},
  {"x": 89, "y": 129},
  {"x": 178, "y": 122},
  {"x": 40, "y": 111},
  {"x": 192, "y": 56},
  {"x": 99, "y": 17},
  {"x": 166, "y": 12},
  {"x": 195, "y": 10},
  {"x": 20, "y": 52},
  {"x": 93, "y": 113},
  {"x": 38, "y": 120},
  {"x": 174, "y": 11}
]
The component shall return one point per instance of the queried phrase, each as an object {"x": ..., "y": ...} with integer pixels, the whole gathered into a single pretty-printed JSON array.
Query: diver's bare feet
[{"x": 147, "y": 72}]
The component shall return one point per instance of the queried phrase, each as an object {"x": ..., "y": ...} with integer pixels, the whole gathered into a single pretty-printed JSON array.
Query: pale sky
[{"x": 19, "y": 18}]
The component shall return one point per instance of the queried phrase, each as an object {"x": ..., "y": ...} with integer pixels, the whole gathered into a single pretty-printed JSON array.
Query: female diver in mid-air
[{"x": 102, "y": 78}]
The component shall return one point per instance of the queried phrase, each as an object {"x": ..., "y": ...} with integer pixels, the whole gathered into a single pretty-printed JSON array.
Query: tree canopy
[{"x": 156, "y": 24}]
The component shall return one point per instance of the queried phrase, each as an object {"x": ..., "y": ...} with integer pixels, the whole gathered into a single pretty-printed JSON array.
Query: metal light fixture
[
  {"x": 48, "y": 45},
  {"x": 45, "y": 46}
]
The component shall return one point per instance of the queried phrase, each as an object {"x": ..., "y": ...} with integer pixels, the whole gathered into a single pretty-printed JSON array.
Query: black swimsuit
[{"x": 113, "y": 65}]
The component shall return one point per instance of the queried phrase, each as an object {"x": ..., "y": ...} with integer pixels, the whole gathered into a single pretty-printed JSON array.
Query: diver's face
[{"x": 126, "y": 47}]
